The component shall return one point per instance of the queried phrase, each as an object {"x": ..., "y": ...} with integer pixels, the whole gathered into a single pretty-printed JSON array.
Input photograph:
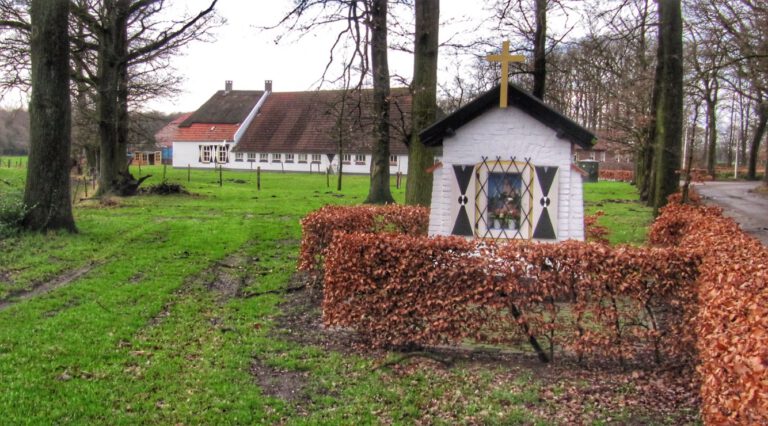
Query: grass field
[{"x": 149, "y": 322}]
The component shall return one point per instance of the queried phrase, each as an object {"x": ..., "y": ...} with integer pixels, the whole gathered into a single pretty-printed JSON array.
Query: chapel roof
[
  {"x": 308, "y": 122},
  {"x": 565, "y": 127}
]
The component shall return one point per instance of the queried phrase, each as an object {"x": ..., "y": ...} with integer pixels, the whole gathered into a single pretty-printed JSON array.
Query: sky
[{"x": 248, "y": 56}]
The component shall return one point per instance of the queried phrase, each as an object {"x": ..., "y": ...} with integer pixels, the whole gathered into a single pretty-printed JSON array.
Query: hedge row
[
  {"x": 591, "y": 301},
  {"x": 616, "y": 175},
  {"x": 318, "y": 227},
  {"x": 732, "y": 324}
]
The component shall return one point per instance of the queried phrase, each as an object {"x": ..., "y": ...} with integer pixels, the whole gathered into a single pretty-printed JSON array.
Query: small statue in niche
[{"x": 504, "y": 204}]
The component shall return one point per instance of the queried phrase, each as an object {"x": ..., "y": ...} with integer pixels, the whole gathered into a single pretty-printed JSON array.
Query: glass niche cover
[{"x": 505, "y": 201}]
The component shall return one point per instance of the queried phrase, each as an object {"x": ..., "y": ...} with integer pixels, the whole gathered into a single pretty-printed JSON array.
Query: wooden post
[
  {"x": 189, "y": 173},
  {"x": 282, "y": 167},
  {"x": 258, "y": 178},
  {"x": 221, "y": 173},
  {"x": 328, "y": 177},
  {"x": 164, "y": 166},
  {"x": 9, "y": 163},
  {"x": 85, "y": 185},
  {"x": 397, "y": 179}
]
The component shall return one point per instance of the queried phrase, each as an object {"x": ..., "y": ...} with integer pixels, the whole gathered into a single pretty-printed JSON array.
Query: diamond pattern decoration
[
  {"x": 544, "y": 229},
  {"x": 486, "y": 168},
  {"x": 463, "y": 226}
]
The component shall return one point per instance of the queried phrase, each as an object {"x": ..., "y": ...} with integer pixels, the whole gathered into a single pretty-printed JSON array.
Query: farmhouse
[
  {"x": 506, "y": 171},
  {"x": 290, "y": 131}
]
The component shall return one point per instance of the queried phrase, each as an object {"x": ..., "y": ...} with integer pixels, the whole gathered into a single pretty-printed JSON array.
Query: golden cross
[{"x": 505, "y": 58}]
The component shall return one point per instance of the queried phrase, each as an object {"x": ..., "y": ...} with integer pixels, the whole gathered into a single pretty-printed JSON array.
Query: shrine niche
[{"x": 505, "y": 168}]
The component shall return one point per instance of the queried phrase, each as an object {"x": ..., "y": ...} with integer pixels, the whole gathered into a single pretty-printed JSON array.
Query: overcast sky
[{"x": 247, "y": 55}]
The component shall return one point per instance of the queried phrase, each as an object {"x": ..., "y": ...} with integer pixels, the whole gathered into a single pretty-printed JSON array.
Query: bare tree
[
  {"x": 668, "y": 104},
  {"x": 424, "y": 89},
  {"x": 46, "y": 193}
]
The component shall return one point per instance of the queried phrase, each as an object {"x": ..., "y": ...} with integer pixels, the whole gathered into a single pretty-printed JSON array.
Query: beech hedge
[
  {"x": 616, "y": 175},
  {"x": 318, "y": 227},
  {"x": 592, "y": 301},
  {"x": 732, "y": 323}
]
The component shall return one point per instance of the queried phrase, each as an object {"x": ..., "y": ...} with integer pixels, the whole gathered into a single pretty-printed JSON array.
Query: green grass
[
  {"x": 142, "y": 339},
  {"x": 626, "y": 218}
]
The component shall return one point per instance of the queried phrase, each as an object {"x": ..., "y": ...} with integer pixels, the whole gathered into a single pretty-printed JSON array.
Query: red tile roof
[
  {"x": 308, "y": 122},
  {"x": 200, "y": 132},
  {"x": 165, "y": 136}
]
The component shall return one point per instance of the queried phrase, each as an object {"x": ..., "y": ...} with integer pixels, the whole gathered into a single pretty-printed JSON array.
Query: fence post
[
  {"x": 85, "y": 185},
  {"x": 164, "y": 167},
  {"x": 328, "y": 177},
  {"x": 189, "y": 173},
  {"x": 221, "y": 173},
  {"x": 258, "y": 178}
]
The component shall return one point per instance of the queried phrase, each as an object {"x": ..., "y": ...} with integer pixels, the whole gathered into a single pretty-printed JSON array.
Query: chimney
[
  {"x": 227, "y": 86},
  {"x": 267, "y": 85}
]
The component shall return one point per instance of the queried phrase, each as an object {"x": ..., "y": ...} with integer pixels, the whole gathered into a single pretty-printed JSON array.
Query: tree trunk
[
  {"x": 539, "y": 50},
  {"x": 669, "y": 114},
  {"x": 754, "y": 151},
  {"x": 379, "y": 192},
  {"x": 711, "y": 100},
  {"x": 112, "y": 110},
  {"x": 418, "y": 187},
  {"x": 47, "y": 190}
]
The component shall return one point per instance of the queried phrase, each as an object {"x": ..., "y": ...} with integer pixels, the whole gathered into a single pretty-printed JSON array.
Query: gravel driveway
[{"x": 748, "y": 208}]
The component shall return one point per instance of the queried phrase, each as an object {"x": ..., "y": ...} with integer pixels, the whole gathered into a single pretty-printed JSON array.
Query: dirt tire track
[{"x": 44, "y": 287}]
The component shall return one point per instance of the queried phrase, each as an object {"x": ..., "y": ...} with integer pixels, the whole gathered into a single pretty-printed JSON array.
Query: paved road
[{"x": 749, "y": 209}]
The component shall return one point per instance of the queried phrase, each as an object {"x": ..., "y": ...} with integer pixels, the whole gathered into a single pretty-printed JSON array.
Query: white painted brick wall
[{"x": 507, "y": 133}]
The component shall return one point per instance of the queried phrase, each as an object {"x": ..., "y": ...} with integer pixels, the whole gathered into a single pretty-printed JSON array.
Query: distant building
[
  {"x": 610, "y": 152},
  {"x": 289, "y": 131}
]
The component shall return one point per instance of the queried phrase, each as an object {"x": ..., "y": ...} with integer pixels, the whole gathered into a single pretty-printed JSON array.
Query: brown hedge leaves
[
  {"x": 318, "y": 227},
  {"x": 732, "y": 325},
  {"x": 625, "y": 304}
]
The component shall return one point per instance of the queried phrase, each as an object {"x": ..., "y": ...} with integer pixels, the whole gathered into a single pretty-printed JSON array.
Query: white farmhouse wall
[
  {"x": 186, "y": 154},
  {"x": 507, "y": 133}
]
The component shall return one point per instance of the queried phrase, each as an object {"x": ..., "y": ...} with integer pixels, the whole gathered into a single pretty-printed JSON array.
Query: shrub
[
  {"x": 318, "y": 227},
  {"x": 12, "y": 212},
  {"x": 619, "y": 304},
  {"x": 732, "y": 324},
  {"x": 616, "y": 175}
]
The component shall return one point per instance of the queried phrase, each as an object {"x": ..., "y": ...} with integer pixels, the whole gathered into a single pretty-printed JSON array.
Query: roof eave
[{"x": 564, "y": 126}]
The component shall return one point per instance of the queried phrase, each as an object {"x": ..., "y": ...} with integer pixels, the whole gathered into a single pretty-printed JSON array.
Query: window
[
  {"x": 503, "y": 200},
  {"x": 263, "y": 157},
  {"x": 222, "y": 152},
  {"x": 359, "y": 158},
  {"x": 393, "y": 160},
  {"x": 302, "y": 158},
  {"x": 602, "y": 156},
  {"x": 346, "y": 158},
  {"x": 316, "y": 158},
  {"x": 277, "y": 158},
  {"x": 206, "y": 153},
  {"x": 238, "y": 156},
  {"x": 289, "y": 158},
  {"x": 251, "y": 157}
]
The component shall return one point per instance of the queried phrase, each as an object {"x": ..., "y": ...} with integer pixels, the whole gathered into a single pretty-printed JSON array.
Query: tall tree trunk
[
  {"x": 111, "y": 74},
  {"x": 711, "y": 100},
  {"x": 47, "y": 190},
  {"x": 418, "y": 188},
  {"x": 539, "y": 50},
  {"x": 379, "y": 192},
  {"x": 669, "y": 114},
  {"x": 754, "y": 151}
]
